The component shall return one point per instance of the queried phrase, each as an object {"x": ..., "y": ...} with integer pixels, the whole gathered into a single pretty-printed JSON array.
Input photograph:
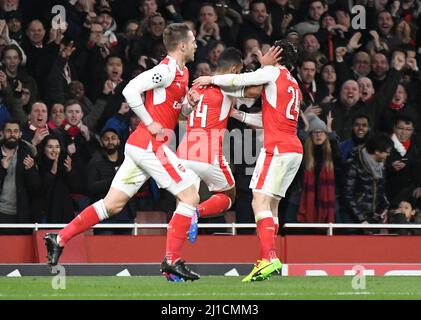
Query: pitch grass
[{"x": 210, "y": 288}]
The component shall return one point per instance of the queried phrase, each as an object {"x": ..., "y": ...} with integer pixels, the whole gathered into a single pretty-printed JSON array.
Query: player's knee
[{"x": 191, "y": 198}]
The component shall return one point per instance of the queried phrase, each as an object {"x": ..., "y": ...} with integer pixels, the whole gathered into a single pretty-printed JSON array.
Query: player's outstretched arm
[
  {"x": 159, "y": 76},
  {"x": 255, "y": 78},
  {"x": 250, "y": 119}
]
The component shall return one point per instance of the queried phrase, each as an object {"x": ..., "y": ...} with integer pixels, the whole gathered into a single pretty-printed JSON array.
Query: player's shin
[
  {"x": 89, "y": 217},
  {"x": 266, "y": 235},
  {"x": 177, "y": 231},
  {"x": 215, "y": 205}
]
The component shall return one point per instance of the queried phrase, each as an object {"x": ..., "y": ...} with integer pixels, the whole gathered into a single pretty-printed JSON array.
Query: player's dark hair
[
  {"x": 228, "y": 58},
  {"x": 289, "y": 55},
  {"x": 173, "y": 34},
  {"x": 380, "y": 142}
]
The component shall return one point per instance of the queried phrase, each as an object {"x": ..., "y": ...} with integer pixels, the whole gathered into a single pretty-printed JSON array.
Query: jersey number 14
[{"x": 201, "y": 111}]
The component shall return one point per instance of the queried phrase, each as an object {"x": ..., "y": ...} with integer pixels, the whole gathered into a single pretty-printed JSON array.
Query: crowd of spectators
[{"x": 64, "y": 121}]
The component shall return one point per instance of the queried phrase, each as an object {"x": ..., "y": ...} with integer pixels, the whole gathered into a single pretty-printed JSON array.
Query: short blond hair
[{"x": 173, "y": 34}]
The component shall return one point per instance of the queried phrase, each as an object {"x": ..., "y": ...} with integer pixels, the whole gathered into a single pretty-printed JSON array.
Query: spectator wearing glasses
[{"x": 403, "y": 164}]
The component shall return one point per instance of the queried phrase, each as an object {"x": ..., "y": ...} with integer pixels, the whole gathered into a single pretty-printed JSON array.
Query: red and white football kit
[
  {"x": 280, "y": 158},
  {"x": 166, "y": 87},
  {"x": 201, "y": 147}
]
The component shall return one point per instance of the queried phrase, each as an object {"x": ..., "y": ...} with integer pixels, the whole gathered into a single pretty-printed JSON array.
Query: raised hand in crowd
[
  {"x": 85, "y": 132},
  {"x": 68, "y": 164},
  {"x": 39, "y": 135},
  {"x": 412, "y": 63},
  {"x": 54, "y": 167},
  {"x": 394, "y": 9},
  {"x": 67, "y": 50},
  {"x": 28, "y": 162},
  {"x": 354, "y": 42},
  {"x": 88, "y": 19},
  {"x": 316, "y": 109},
  {"x": 398, "y": 62},
  {"x": 268, "y": 25},
  {"x": 305, "y": 120},
  {"x": 329, "y": 121},
  {"x": 286, "y": 20},
  {"x": 5, "y": 161},
  {"x": 340, "y": 52},
  {"x": 108, "y": 87},
  {"x": 3, "y": 80}
]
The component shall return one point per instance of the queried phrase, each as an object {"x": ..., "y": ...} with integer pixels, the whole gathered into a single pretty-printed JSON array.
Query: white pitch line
[{"x": 183, "y": 294}]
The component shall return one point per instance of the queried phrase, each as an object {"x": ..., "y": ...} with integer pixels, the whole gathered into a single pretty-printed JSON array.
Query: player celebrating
[
  {"x": 281, "y": 155},
  {"x": 147, "y": 155},
  {"x": 201, "y": 147}
]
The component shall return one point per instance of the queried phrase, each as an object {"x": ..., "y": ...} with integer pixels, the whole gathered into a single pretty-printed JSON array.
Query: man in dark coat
[{"x": 19, "y": 177}]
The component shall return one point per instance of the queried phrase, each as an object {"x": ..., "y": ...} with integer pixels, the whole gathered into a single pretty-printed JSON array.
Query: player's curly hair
[{"x": 289, "y": 55}]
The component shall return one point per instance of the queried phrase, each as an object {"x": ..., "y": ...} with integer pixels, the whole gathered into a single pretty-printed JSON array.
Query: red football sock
[
  {"x": 276, "y": 233},
  {"x": 176, "y": 235},
  {"x": 266, "y": 234},
  {"x": 215, "y": 205},
  {"x": 84, "y": 221}
]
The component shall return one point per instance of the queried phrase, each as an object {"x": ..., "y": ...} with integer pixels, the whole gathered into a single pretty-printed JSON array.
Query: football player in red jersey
[
  {"x": 147, "y": 154},
  {"x": 201, "y": 147},
  {"x": 280, "y": 158}
]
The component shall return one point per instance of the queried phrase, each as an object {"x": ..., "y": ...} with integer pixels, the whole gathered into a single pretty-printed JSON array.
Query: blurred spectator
[
  {"x": 208, "y": 26},
  {"x": 360, "y": 133},
  {"x": 331, "y": 35},
  {"x": 62, "y": 73},
  {"x": 313, "y": 94},
  {"x": 321, "y": 156},
  {"x": 56, "y": 116},
  {"x": 40, "y": 53},
  {"x": 329, "y": 78},
  {"x": 10, "y": 105},
  {"x": 405, "y": 211},
  {"x": 364, "y": 186},
  {"x": 229, "y": 21},
  {"x": 215, "y": 48},
  {"x": 402, "y": 166},
  {"x": 101, "y": 171},
  {"x": 11, "y": 58},
  {"x": 202, "y": 69},
  {"x": 14, "y": 23},
  {"x": 258, "y": 24},
  {"x": 312, "y": 23},
  {"x": 19, "y": 178},
  {"x": 310, "y": 44},
  {"x": 36, "y": 129},
  {"x": 53, "y": 203},
  {"x": 76, "y": 90},
  {"x": 120, "y": 123},
  {"x": 283, "y": 16}
]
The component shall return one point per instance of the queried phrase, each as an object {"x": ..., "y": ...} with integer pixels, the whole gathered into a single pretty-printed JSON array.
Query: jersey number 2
[
  {"x": 201, "y": 111},
  {"x": 294, "y": 101}
]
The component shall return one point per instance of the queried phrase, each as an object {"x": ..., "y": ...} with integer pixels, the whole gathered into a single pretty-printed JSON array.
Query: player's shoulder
[{"x": 288, "y": 75}]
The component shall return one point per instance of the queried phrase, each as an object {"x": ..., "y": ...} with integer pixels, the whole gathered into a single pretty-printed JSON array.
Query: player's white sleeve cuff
[{"x": 143, "y": 114}]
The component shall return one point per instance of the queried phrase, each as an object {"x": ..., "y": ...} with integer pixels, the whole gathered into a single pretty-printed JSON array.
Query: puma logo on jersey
[{"x": 181, "y": 168}]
